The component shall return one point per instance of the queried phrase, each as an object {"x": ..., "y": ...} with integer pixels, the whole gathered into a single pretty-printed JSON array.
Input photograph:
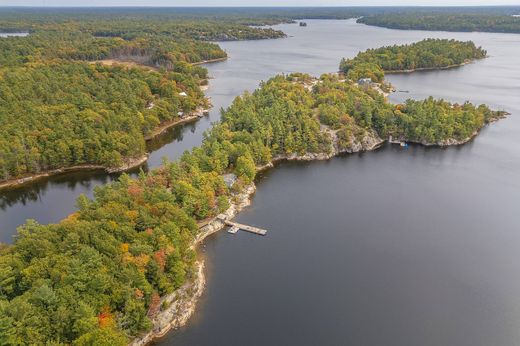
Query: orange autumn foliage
[
  {"x": 160, "y": 258},
  {"x": 105, "y": 318}
]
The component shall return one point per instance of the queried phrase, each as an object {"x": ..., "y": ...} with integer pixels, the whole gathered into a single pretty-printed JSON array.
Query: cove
[{"x": 392, "y": 247}]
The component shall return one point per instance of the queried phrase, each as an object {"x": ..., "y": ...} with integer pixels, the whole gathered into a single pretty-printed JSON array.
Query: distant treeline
[
  {"x": 15, "y": 19},
  {"x": 425, "y": 54},
  {"x": 153, "y": 50},
  {"x": 466, "y": 22},
  {"x": 235, "y": 14}
]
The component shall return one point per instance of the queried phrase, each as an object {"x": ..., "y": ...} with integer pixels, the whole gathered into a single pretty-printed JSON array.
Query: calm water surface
[{"x": 395, "y": 247}]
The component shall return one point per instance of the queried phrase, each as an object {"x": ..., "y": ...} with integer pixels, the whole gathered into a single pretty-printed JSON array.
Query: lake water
[{"x": 417, "y": 246}]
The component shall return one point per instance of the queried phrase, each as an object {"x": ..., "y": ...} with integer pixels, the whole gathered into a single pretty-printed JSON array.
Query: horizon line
[{"x": 256, "y": 6}]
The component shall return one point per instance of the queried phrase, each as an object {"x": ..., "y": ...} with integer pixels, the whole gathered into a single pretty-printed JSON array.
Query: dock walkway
[
  {"x": 235, "y": 226},
  {"x": 246, "y": 228}
]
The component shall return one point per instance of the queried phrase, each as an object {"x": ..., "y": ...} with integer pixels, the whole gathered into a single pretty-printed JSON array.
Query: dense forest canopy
[
  {"x": 97, "y": 277},
  {"x": 153, "y": 50},
  {"x": 425, "y": 54},
  {"x": 65, "y": 114},
  {"x": 487, "y": 22},
  {"x": 56, "y": 110}
]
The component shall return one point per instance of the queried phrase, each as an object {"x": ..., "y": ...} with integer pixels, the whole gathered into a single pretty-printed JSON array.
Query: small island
[{"x": 428, "y": 54}]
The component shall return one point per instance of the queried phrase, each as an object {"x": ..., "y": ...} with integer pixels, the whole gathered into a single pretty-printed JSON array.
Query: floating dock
[
  {"x": 238, "y": 226},
  {"x": 233, "y": 230}
]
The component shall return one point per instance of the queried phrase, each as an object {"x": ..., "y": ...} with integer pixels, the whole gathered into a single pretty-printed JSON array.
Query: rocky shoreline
[
  {"x": 210, "y": 61},
  {"x": 430, "y": 68},
  {"x": 181, "y": 304}
]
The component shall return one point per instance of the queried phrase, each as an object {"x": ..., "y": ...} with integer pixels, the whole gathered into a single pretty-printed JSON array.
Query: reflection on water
[
  {"x": 33, "y": 192},
  {"x": 52, "y": 198},
  {"x": 170, "y": 136}
]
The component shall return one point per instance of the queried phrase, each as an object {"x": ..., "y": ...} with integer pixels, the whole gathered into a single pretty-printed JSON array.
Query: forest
[
  {"x": 152, "y": 50},
  {"x": 426, "y": 54},
  {"x": 97, "y": 277},
  {"x": 58, "y": 109},
  {"x": 435, "y": 21},
  {"x": 57, "y": 115}
]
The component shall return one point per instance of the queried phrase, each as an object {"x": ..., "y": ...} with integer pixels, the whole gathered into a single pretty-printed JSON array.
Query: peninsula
[{"x": 123, "y": 267}]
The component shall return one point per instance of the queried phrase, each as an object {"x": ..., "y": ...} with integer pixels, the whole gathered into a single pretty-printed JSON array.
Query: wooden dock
[{"x": 237, "y": 226}]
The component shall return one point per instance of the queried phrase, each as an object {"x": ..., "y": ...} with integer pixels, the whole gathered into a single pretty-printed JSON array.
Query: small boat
[{"x": 403, "y": 144}]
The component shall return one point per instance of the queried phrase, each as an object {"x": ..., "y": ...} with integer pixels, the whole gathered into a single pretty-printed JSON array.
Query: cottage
[{"x": 365, "y": 81}]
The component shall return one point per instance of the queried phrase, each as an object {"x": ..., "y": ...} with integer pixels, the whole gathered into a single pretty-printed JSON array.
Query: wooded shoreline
[
  {"x": 181, "y": 303},
  {"x": 128, "y": 164}
]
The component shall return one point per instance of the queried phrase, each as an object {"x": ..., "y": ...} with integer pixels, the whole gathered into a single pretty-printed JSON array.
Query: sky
[{"x": 256, "y": 2}]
